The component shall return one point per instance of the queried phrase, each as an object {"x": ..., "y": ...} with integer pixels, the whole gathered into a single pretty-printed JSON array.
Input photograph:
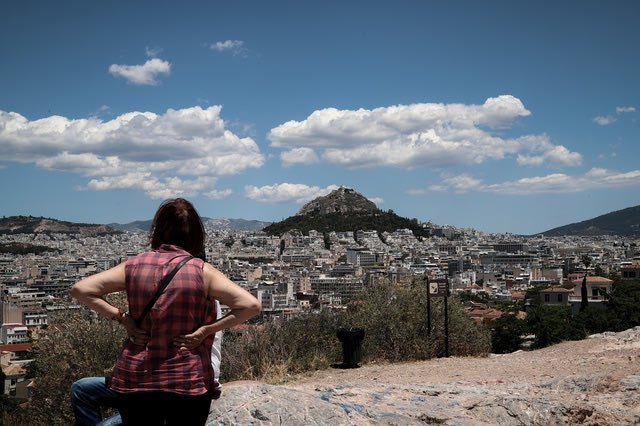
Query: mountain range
[{"x": 343, "y": 209}]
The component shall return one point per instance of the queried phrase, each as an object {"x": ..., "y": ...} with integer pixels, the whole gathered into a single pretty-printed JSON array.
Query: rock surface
[
  {"x": 595, "y": 382},
  {"x": 341, "y": 200}
]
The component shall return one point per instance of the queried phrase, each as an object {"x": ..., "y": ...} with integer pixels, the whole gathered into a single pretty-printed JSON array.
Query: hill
[
  {"x": 37, "y": 225},
  {"x": 344, "y": 210},
  {"x": 624, "y": 222}
]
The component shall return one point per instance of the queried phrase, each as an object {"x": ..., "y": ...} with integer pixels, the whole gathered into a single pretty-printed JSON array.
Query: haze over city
[{"x": 501, "y": 116}]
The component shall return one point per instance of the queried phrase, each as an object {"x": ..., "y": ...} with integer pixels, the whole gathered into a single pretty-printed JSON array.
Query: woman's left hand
[{"x": 190, "y": 341}]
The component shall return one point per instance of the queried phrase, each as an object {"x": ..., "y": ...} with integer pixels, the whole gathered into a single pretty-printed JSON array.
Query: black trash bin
[{"x": 351, "y": 339}]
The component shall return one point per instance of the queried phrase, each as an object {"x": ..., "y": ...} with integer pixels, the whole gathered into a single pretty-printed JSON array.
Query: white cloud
[
  {"x": 418, "y": 135},
  {"x": 621, "y": 110},
  {"x": 142, "y": 74},
  {"x": 286, "y": 192},
  {"x": 236, "y": 47},
  {"x": 557, "y": 183},
  {"x": 604, "y": 121},
  {"x": 137, "y": 150},
  {"x": 299, "y": 156},
  {"x": 218, "y": 195},
  {"x": 553, "y": 155},
  {"x": 155, "y": 188}
]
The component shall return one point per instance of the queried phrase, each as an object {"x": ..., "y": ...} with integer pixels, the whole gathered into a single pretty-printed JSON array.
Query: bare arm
[
  {"x": 243, "y": 306},
  {"x": 90, "y": 292}
]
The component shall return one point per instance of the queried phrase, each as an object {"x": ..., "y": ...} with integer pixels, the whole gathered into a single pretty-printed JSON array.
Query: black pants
[{"x": 163, "y": 408}]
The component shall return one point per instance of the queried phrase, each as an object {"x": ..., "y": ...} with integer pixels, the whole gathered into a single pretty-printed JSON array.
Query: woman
[{"x": 163, "y": 373}]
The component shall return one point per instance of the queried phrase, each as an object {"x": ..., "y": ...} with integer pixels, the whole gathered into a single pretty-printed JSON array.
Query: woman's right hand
[{"x": 137, "y": 335}]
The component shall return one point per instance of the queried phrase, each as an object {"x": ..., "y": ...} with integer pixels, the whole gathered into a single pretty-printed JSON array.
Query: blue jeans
[{"x": 87, "y": 396}]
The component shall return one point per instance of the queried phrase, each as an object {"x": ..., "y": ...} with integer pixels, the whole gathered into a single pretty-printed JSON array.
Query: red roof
[
  {"x": 16, "y": 347},
  {"x": 593, "y": 280}
]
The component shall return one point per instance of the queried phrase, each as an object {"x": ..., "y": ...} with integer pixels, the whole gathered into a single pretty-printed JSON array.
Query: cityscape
[{"x": 296, "y": 273}]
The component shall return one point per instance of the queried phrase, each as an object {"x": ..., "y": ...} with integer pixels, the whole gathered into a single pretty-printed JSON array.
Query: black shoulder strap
[{"x": 165, "y": 282}]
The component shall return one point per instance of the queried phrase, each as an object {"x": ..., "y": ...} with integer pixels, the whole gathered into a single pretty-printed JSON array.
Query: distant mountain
[
  {"x": 624, "y": 222},
  {"x": 344, "y": 210},
  {"x": 219, "y": 224},
  {"x": 36, "y": 225}
]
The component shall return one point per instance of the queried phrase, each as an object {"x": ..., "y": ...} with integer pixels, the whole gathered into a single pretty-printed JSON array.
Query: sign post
[
  {"x": 428, "y": 308},
  {"x": 439, "y": 288}
]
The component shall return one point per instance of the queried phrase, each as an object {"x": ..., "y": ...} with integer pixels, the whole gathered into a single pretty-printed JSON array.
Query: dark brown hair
[{"x": 177, "y": 222}]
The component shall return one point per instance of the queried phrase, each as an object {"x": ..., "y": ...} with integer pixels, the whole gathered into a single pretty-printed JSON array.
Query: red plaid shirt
[{"x": 181, "y": 309}]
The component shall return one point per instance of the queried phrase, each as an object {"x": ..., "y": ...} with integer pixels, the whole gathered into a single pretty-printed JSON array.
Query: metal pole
[
  {"x": 446, "y": 321},
  {"x": 428, "y": 308}
]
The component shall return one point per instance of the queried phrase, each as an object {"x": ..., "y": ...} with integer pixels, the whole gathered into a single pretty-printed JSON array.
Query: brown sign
[{"x": 438, "y": 288}]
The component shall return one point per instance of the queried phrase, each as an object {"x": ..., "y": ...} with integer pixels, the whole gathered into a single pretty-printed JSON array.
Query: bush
[
  {"x": 88, "y": 346},
  {"x": 394, "y": 319},
  {"x": 553, "y": 324},
  {"x": 276, "y": 350},
  {"x": 506, "y": 334}
]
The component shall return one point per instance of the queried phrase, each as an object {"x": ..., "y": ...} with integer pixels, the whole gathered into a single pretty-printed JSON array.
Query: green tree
[
  {"x": 622, "y": 305},
  {"x": 599, "y": 271},
  {"x": 552, "y": 324},
  {"x": 506, "y": 334}
]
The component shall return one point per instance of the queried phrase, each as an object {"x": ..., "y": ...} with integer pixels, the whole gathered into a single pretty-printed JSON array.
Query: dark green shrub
[{"x": 506, "y": 334}]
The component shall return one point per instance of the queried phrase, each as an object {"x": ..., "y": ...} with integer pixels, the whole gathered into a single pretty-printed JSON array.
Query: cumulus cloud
[
  {"x": 286, "y": 192},
  {"x": 418, "y": 135},
  {"x": 299, "y": 156},
  {"x": 217, "y": 195},
  {"x": 236, "y": 47},
  {"x": 554, "y": 155},
  {"x": 621, "y": 110},
  {"x": 142, "y": 74},
  {"x": 557, "y": 183},
  {"x": 137, "y": 150}
]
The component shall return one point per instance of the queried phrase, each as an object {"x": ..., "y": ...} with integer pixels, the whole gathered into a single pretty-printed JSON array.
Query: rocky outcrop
[
  {"x": 593, "y": 382},
  {"x": 341, "y": 200}
]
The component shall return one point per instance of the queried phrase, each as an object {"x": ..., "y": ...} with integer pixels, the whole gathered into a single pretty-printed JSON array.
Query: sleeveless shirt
[{"x": 181, "y": 309}]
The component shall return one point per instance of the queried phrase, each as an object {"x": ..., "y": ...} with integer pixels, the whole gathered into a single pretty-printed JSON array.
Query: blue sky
[{"x": 502, "y": 116}]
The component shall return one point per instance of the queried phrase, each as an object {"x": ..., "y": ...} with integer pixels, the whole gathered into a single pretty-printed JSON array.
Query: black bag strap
[{"x": 165, "y": 282}]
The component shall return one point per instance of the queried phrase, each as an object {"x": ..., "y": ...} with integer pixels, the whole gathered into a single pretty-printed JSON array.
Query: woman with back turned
[{"x": 163, "y": 374}]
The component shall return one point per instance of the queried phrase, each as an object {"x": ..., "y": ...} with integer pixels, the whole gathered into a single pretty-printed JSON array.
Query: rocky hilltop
[
  {"x": 342, "y": 200},
  {"x": 595, "y": 381},
  {"x": 344, "y": 210}
]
